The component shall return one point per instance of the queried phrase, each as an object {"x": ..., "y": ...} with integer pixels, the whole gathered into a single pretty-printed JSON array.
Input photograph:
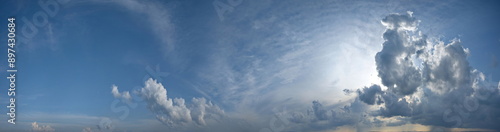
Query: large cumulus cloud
[
  {"x": 424, "y": 81},
  {"x": 429, "y": 82}
]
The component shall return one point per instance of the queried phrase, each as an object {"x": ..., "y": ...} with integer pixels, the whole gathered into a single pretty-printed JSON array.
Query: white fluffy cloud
[
  {"x": 124, "y": 95},
  {"x": 41, "y": 128},
  {"x": 429, "y": 82},
  {"x": 320, "y": 117},
  {"x": 173, "y": 112}
]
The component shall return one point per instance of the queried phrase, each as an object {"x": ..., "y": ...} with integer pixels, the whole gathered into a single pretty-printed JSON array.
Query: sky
[{"x": 259, "y": 65}]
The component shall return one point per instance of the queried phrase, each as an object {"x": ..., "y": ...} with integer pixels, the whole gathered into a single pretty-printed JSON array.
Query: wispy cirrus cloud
[
  {"x": 124, "y": 95},
  {"x": 286, "y": 54}
]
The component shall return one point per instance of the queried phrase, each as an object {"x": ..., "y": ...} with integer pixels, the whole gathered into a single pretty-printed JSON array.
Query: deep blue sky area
[{"x": 242, "y": 65}]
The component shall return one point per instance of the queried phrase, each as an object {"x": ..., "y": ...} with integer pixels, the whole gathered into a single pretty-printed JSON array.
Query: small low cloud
[
  {"x": 41, "y": 128},
  {"x": 320, "y": 117},
  {"x": 173, "y": 112},
  {"x": 429, "y": 82}
]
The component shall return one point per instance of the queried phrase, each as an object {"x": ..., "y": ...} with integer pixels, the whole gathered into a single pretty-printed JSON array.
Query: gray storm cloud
[{"x": 394, "y": 63}]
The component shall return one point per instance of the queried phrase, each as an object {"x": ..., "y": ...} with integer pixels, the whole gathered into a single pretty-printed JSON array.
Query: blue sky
[{"x": 322, "y": 65}]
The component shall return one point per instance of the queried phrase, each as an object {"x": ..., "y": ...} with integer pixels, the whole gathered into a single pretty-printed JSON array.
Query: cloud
[
  {"x": 394, "y": 64},
  {"x": 124, "y": 95},
  {"x": 174, "y": 112},
  {"x": 41, "y": 128},
  {"x": 394, "y": 106},
  {"x": 169, "y": 111},
  {"x": 158, "y": 17},
  {"x": 87, "y": 129},
  {"x": 368, "y": 94},
  {"x": 429, "y": 82},
  {"x": 446, "y": 67},
  {"x": 319, "y": 117},
  {"x": 494, "y": 61},
  {"x": 201, "y": 110},
  {"x": 319, "y": 112}
]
